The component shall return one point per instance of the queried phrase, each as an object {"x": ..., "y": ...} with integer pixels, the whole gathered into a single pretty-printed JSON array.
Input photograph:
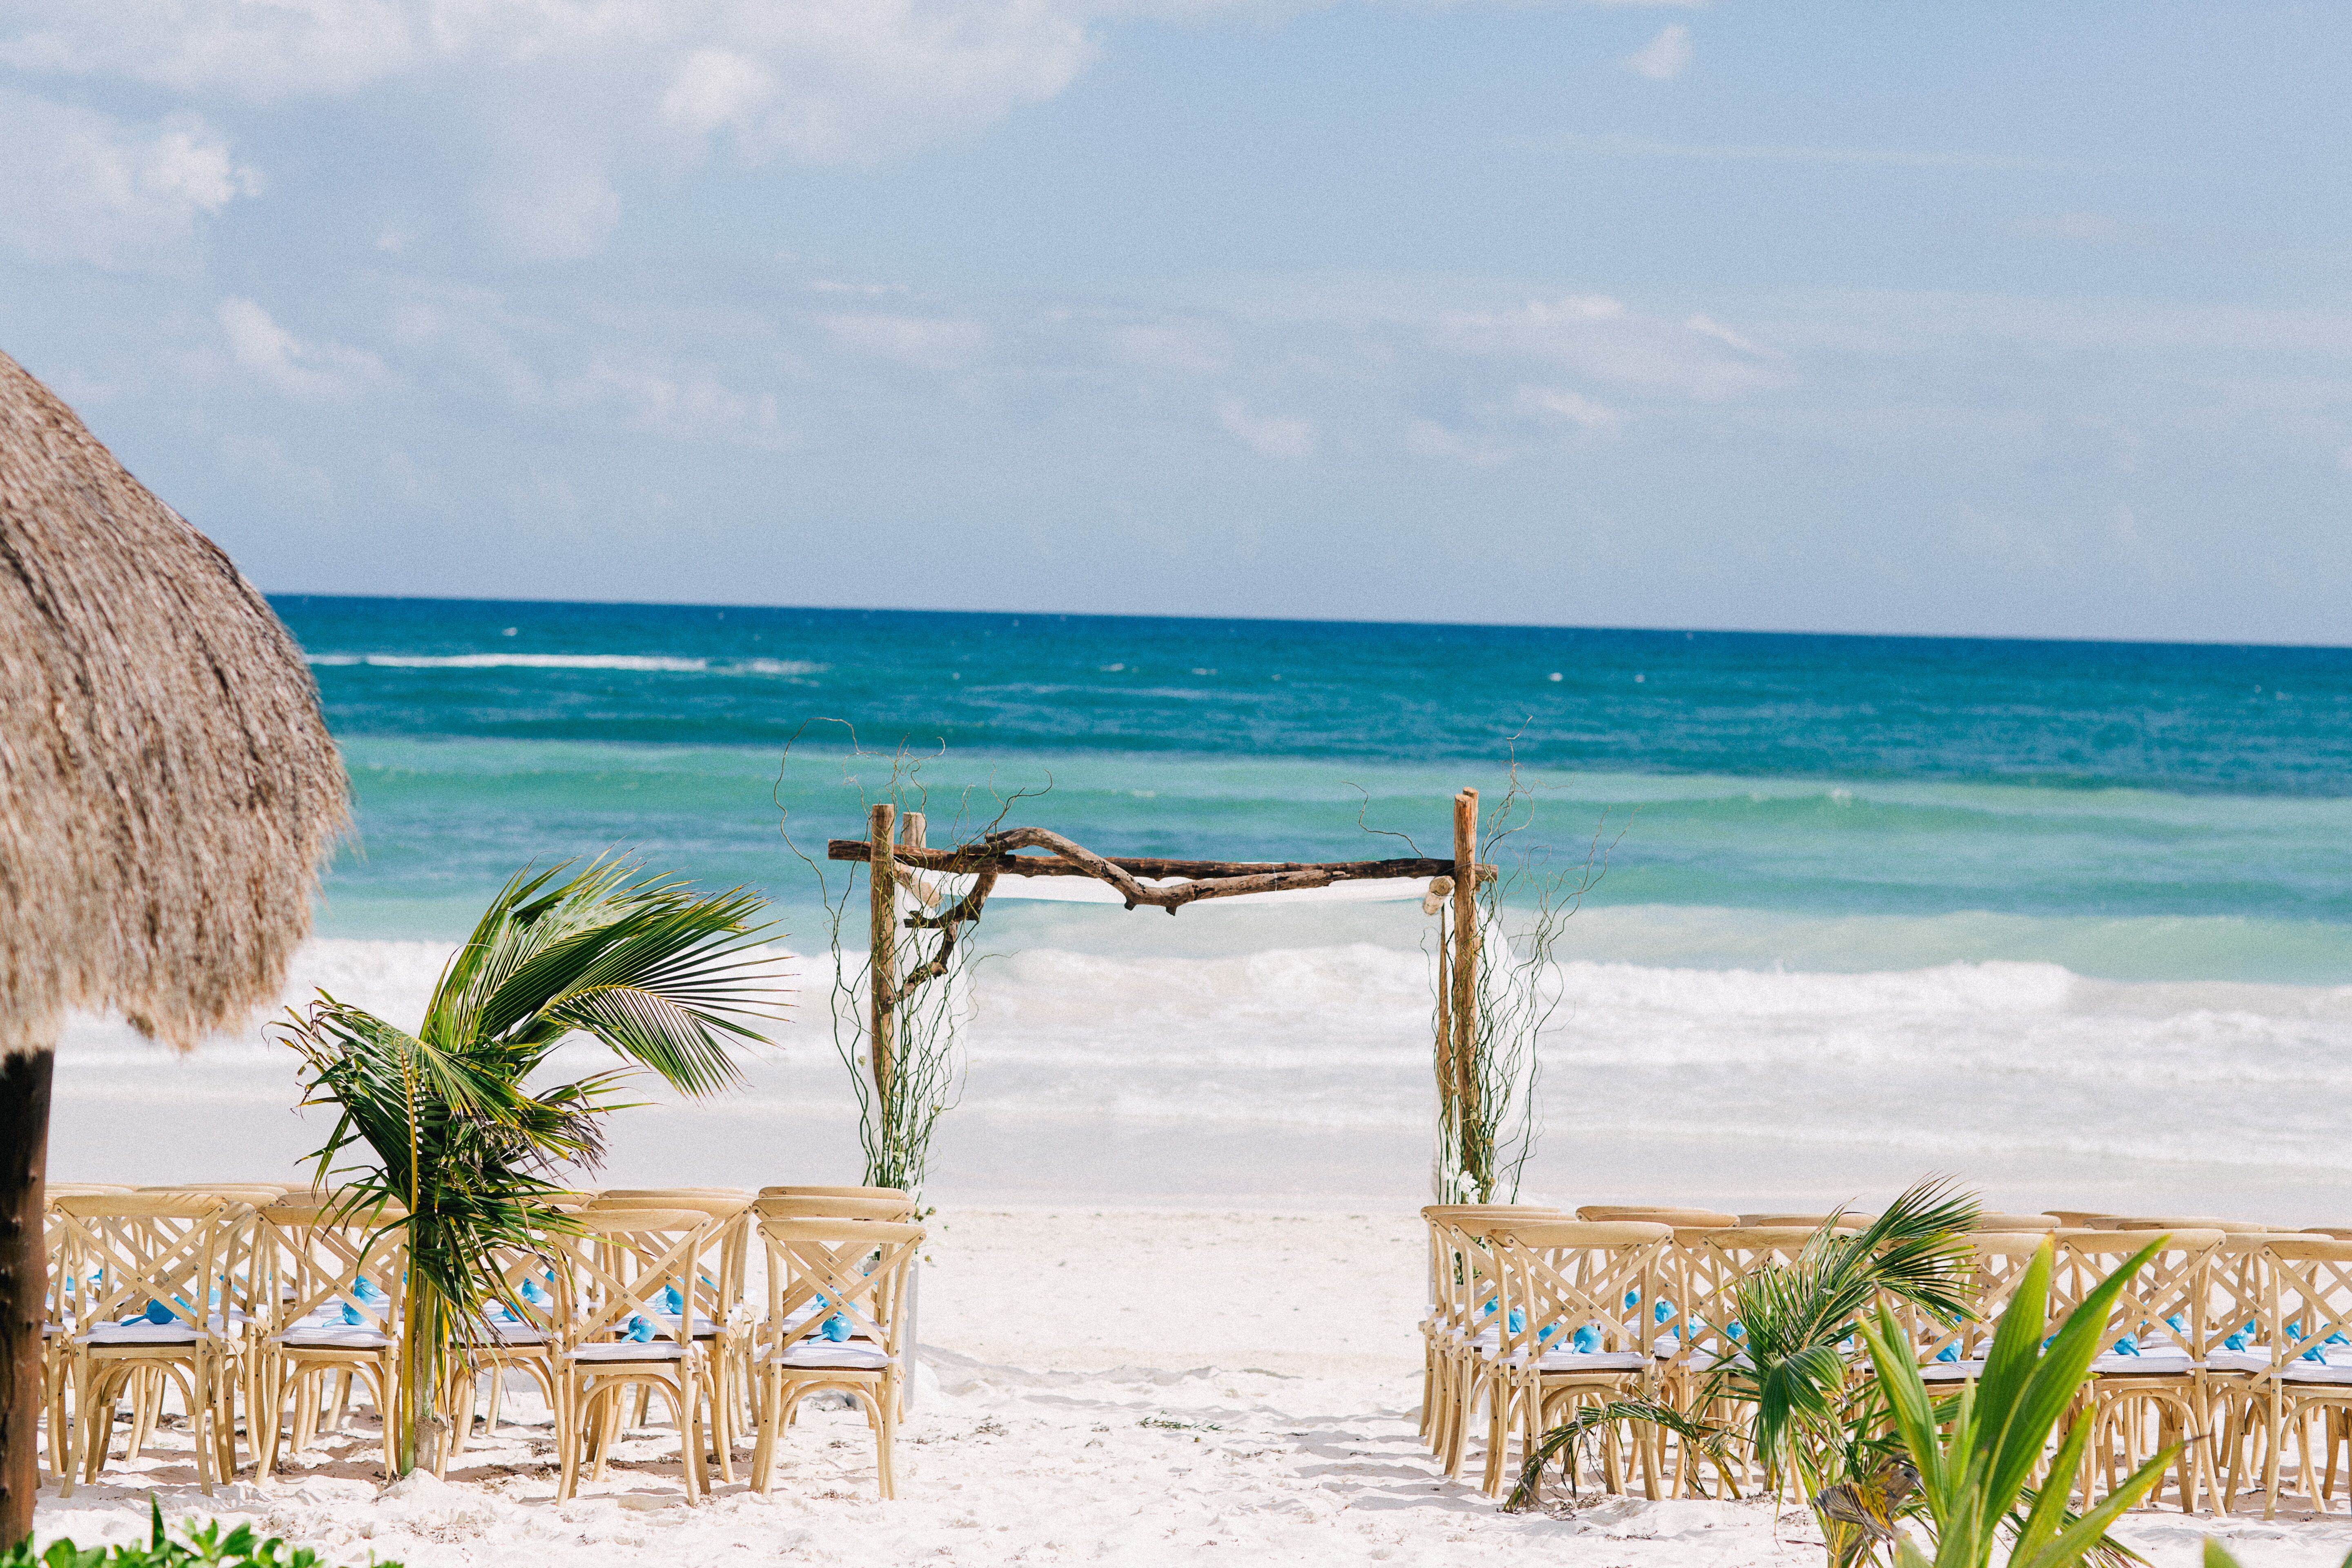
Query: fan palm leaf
[{"x": 465, "y": 1146}]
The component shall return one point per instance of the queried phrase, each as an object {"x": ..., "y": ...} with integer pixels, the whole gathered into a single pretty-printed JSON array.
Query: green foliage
[
  {"x": 466, "y": 1152},
  {"x": 1799, "y": 1406},
  {"x": 1973, "y": 1482},
  {"x": 204, "y": 1544}
]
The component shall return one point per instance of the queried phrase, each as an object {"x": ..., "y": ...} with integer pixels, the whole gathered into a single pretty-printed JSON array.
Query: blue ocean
[
  {"x": 2134, "y": 812},
  {"x": 2071, "y": 919}
]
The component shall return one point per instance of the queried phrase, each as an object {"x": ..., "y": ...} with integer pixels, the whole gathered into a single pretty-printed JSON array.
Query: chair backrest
[
  {"x": 255, "y": 1192},
  {"x": 718, "y": 1205},
  {"x": 1848, "y": 1221},
  {"x": 2173, "y": 1222},
  {"x": 1679, "y": 1218},
  {"x": 832, "y": 1191},
  {"x": 1462, "y": 1281},
  {"x": 2164, "y": 1307},
  {"x": 2016, "y": 1224},
  {"x": 311, "y": 1259},
  {"x": 2307, "y": 1295},
  {"x": 1563, "y": 1276},
  {"x": 2075, "y": 1219},
  {"x": 897, "y": 1210},
  {"x": 1708, "y": 1265},
  {"x": 52, "y": 1191},
  {"x": 645, "y": 1194},
  {"x": 621, "y": 1264},
  {"x": 729, "y": 1212},
  {"x": 2335, "y": 1232},
  {"x": 853, "y": 1269},
  {"x": 120, "y": 1251},
  {"x": 1997, "y": 1264}
]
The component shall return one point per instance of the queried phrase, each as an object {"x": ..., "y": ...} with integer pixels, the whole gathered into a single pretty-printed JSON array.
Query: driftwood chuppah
[{"x": 897, "y": 858}]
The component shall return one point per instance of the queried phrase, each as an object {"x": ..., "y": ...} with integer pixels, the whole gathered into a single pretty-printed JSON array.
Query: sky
[{"x": 1999, "y": 318}]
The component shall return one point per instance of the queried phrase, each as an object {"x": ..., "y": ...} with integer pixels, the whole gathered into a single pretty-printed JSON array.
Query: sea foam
[{"x": 1962, "y": 1066}]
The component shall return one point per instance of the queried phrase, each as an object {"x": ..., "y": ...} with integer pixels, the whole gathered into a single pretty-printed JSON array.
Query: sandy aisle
[{"x": 1101, "y": 1385}]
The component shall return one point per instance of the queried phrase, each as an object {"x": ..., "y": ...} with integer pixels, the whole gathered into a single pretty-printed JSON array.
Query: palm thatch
[{"x": 167, "y": 786}]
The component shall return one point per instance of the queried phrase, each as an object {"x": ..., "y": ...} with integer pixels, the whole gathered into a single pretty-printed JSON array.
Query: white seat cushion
[
  {"x": 667, "y": 1323},
  {"x": 2166, "y": 1363},
  {"x": 2254, "y": 1358},
  {"x": 824, "y": 1354},
  {"x": 337, "y": 1336},
  {"x": 141, "y": 1333},
  {"x": 631, "y": 1349},
  {"x": 1593, "y": 1361},
  {"x": 508, "y": 1333}
]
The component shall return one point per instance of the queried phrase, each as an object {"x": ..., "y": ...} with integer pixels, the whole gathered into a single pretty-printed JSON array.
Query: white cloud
[
  {"x": 1664, "y": 57},
  {"x": 1270, "y": 436},
  {"x": 77, "y": 185},
  {"x": 1599, "y": 337},
  {"x": 311, "y": 372},
  {"x": 560, "y": 103},
  {"x": 921, "y": 342},
  {"x": 1559, "y": 406},
  {"x": 1173, "y": 346},
  {"x": 1428, "y": 438}
]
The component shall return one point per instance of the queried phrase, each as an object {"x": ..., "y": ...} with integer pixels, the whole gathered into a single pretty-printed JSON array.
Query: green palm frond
[
  {"x": 1703, "y": 1437},
  {"x": 466, "y": 1146}
]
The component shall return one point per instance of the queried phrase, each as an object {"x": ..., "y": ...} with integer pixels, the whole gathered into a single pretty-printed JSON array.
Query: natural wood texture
[
  {"x": 883, "y": 946},
  {"x": 1464, "y": 978},
  {"x": 994, "y": 853},
  {"x": 24, "y": 1281}
]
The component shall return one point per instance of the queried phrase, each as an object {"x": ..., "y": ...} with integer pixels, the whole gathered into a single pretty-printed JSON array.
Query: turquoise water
[
  {"x": 2130, "y": 812},
  {"x": 2070, "y": 921}
]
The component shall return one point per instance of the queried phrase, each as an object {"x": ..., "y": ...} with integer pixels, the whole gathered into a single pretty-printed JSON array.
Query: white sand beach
[{"x": 1129, "y": 1385}]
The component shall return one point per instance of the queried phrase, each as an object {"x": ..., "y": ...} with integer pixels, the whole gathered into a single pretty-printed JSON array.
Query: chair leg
[
  {"x": 768, "y": 1394},
  {"x": 885, "y": 1439},
  {"x": 686, "y": 1405}
]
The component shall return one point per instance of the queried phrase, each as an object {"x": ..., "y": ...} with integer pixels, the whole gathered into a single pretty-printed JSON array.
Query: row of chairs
[
  {"x": 2235, "y": 1340},
  {"x": 252, "y": 1299}
]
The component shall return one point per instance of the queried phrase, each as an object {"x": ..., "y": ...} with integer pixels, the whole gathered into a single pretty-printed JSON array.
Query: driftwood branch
[{"x": 994, "y": 857}]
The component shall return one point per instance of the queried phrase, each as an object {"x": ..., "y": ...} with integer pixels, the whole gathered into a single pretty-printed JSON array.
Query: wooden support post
[
  {"x": 1466, "y": 961},
  {"x": 23, "y": 1280},
  {"x": 883, "y": 954},
  {"x": 911, "y": 837}
]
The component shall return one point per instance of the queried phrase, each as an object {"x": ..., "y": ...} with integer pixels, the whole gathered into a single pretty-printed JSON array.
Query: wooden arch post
[{"x": 1462, "y": 1049}]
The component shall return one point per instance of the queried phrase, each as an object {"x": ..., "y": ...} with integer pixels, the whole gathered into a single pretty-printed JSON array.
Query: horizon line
[{"x": 1687, "y": 631}]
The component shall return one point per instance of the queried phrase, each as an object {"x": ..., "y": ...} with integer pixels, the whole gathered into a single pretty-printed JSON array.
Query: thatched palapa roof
[{"x": 167, "y": 786}]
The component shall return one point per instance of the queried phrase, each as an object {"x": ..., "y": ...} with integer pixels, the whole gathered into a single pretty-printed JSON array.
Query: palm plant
[
  {"x": 1802, "y": 1411},
  {"x": 1974, "y": 1482},
  {"x": 466, "y": 1149}
]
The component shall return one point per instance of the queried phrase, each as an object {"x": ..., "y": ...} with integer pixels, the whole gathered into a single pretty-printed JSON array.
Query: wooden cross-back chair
[
  {"x": 1574, "y": 1328},
  {"x": 616, "y": 1273},
  {"x": 2147, "y": 1386},
  {"x": 1464, "y": 1291},
  {"x": 726, "y": 1324},
  {"x": 523, "y": 1330},
  {"x": 334, "y": 1279},
  {"x": 1701, "y": 1330},
  {"x": 823, "y": 1272},
  {"x": 171, "y": 1262},
  {"x": 2237, "y": 1360},
  {"x": 2307, "y": 1325}
]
